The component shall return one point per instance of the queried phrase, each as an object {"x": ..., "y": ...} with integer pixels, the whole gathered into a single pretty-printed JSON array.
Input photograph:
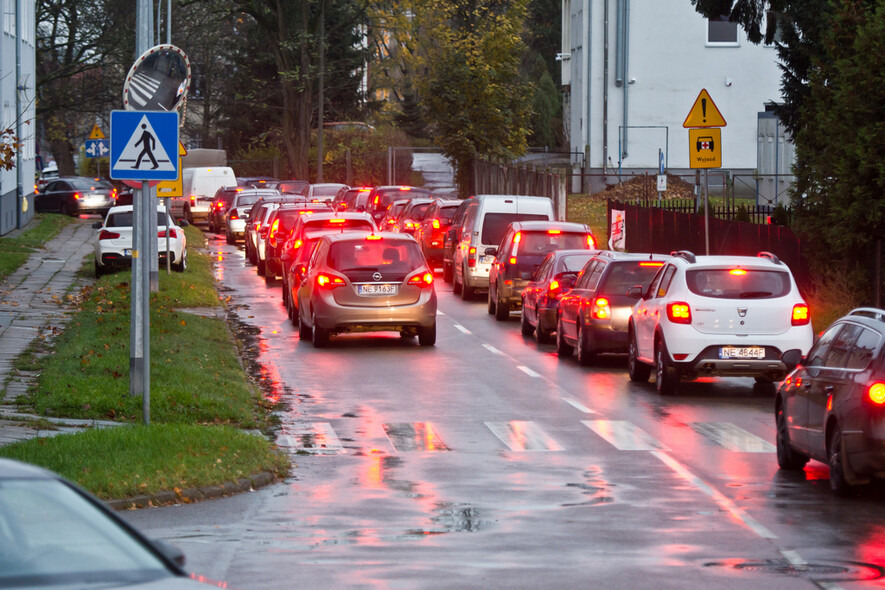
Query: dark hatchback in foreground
[
  {"x": 54, "y": 534},
  {"x": 831, "y": 408},
  {"x": 73, "y": 195}
]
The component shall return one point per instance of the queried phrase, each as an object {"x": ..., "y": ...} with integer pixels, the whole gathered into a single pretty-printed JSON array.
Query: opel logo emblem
[
  {"x": 742, "y": 311},
  {"x": 377, "y": 277}
]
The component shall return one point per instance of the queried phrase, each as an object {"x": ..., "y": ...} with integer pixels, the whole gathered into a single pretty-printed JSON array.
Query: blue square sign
[{"x": 144, "y": 145}]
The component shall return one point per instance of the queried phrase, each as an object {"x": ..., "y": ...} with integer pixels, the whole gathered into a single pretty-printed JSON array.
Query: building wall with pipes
[
  {"x": 17, "y": 112},
  {"x": 634, "y": 70}
]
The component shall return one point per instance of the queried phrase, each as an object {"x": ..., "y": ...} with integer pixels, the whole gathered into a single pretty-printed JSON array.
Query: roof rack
[
  {"x": 770, "y": 256},
  {"x": 869, "y": 312},
  {"x": 688, "y": 256}
]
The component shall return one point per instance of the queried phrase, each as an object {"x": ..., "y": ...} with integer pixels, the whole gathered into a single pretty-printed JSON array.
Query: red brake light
[
  {"x": 373, "y": 237},
  {"x": 77, "y": 196},
  {"x": 601, "y": 309},
  {"x": 471, "y": 257},
  {"x": 591, "y": 243},
  {"x": 329, "y": 281},
  {"x": 193, "y": 199},
  {"x": 553, "y": 290},
  {"x": 336, "y": 221},
  {"x": 234, "y": 214},
  {"x": 876, "y": 393},
  {"x": 679, "y": 312},
  {"x": 554, "y": 232},
  {"x": 651, "y": 264},
  {"x": 738, "y": 272},
  {"x": 422, "y": 280},
  {"x": 172, "y": 233},
  {"x": 436, "y": 224},
  {"x": 108, "y": 235},
  {"x": 800, "y": 314}
]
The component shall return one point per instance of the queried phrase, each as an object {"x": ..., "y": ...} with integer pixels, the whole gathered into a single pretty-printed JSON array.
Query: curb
[{"x": 191, "y": 495}]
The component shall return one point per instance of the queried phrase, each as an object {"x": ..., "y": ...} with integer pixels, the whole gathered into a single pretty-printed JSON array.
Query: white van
[
  {"x": 485, "y": 222},
  {"x": 198, "y": 188}
]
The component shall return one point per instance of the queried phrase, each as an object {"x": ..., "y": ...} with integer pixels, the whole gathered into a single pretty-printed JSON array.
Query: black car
[
  {"x": 54, "y": 534},
  {"x": 219, "y": 206},
  {"x": 831, "y": 408},
  {"x": 73, "y": 195}
]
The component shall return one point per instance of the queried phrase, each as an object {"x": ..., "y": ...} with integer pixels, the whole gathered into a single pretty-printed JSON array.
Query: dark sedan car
[
  {"x": 73, "y": 195},
  {"x": 432, "y": 230},
  {"x": 593, "y": 317},
  {"x": 218, "y": 209},
  {"x": 54, "y": 534},
  {"x": 831, "y": 408},
  {"x": 540, "y": 298}
]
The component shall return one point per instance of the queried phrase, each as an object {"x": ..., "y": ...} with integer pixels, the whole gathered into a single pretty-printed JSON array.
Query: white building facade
[
  {"x": 632, "y": 70},
  {"x": 18, "y": 110}
]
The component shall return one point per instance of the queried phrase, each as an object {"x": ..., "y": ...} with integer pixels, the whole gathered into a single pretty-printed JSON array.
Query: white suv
[{"x": 717, "y": 315}]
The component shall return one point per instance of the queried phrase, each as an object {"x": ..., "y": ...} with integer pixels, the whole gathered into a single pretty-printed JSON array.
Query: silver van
[{"x": 485, "y": 221}]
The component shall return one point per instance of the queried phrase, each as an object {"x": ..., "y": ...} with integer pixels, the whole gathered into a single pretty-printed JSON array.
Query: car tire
[
  {"x": 666, "y": 375},
  {"x": 839, "y": 483},
  {"x": 321, "y": 336},
  {"x": 260, "y": 266},
  {"x": 787, "y": 458},
  {"x": 502, "y": 309},
  {"x": 524, "y": 325},
  {"x": 563, "y": 348},
  {"x": 229, "y": 237},
  {"x": 585, "y": 350},
  {"x": 636, "y": 369},
  {"x": 65, "y": 209},
  {"x": 542, "y": 335},
  {"x": 181, "y": 266},
  {"x": 304, "y": 333},
  {"x": 447, "y": 272},
  {"x": 456, "y": 285},
  {"x": 493, "y": 309},
  {"x": 427, "y": 336},
  {"x": 188, "y": 215},
  {"x": 98, "y": 270}
]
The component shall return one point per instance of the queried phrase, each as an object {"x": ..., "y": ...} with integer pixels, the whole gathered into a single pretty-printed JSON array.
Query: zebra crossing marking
[
  {"x": 624, "y": 436},
  {"x": 521, "y": 435}
]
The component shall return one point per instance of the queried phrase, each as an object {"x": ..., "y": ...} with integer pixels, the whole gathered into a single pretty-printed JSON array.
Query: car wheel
[
  {"x": 787, "y": 458},
  {"x": 636, "y": 369},
  {"x": 542, "y": 334},
  {"x": 427, "y": 336},
  {"x": 493, "y": 309},
  {"x": 260, "y": 266},
  {"x": 666, "y": 375},
  {"x": 98, "y": 270},
  {"x": 764, "y": 386},
  {"x": 188, "y": 215},
  {"x": 304, "y": 333},
  {"x": 229, "y": 237},
  {"x": 321, "y": 335},
  {"x": 212, "y": 227},
  {"x": 181, "y": 266},
  {"x": 563, "y": 348},
  {"x": 467, "y": 292},
  {"x": 836, "y": 458},
  {"x": 586, "y": 353},
  {"x": 524, "y": 325},
  {"x": 502, "y": 309},
  {"x": 447, "y": 272},
  {"x": 456, "y": 285},
  {"x": 65, "y": 209}
]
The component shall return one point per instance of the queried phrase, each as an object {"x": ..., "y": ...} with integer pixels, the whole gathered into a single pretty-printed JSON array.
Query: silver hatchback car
[{"x": 367, "y": 282}]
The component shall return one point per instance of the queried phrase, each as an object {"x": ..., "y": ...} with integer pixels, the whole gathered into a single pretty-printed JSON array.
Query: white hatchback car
[
  {"x": 113, "y": 248},
  {"x": 717, "y": 316}
]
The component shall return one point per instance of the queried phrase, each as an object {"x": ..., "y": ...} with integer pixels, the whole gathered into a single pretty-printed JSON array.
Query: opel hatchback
[{"x": 367, "y": 282}]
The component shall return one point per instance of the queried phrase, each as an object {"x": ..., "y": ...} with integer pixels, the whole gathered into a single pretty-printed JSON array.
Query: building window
[
  {"x": 774, "y": 26},
  {"x": 720, "y": 31}
]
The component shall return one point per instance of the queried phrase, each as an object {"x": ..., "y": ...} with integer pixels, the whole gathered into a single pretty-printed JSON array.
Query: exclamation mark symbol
[{"x": 704, "y": 108}]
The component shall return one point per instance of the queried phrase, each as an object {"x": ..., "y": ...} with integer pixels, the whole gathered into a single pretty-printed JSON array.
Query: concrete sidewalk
[{"x": 35, "y": 301}]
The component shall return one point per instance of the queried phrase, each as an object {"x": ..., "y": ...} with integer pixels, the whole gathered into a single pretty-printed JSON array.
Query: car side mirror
[
  {"x": 568, "y": 280},
  {"x": 636, "y": 292},
  {"x": 792, "y": 358},
  {"x": 97, "y": 225},
  {"x": 491, "y": 251},
  {"x": 183, "y": 223}
]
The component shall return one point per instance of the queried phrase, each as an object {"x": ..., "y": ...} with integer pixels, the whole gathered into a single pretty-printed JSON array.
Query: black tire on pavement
[
  {"x": 836, "y": 458},
  {"x": 260, "y": 266},
  {"x": 666, "y": 375},
  {"x": 321, "y": 336},
  {"x": 585, "y": 350},
  {"x": 447, "y": 272},
  {"x": 456, "y": 285},
  {"x": 427, "y": 336},
  {"x": 636, "y": 369},
  {"x": 304, "y": 333},
  {"x": 181, "y": 266},
  {"x": 493, "y": 309},
  {"x": 563, "y": 348},
  {"x": 787, "y": 458},
  {"x": 502, "y": 309},
  {"x": 524, "y": 325}
]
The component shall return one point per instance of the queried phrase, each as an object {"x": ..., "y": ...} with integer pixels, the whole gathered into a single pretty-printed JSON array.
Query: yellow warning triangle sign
[
  {"x": 704, "y": 113},
  {"x": 96, "y": 133}
]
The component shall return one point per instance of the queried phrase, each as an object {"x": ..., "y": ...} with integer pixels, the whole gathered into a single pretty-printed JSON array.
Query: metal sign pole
[
  {"x": 707, "y": 209},
  {"x": 168, "y": 254},
  {"x": 136, "y": 343},
  {"x": 148, "y": 238}
]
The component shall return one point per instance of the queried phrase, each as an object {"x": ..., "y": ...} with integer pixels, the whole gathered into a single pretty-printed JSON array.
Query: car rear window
[
  {"x": 296, "y": 188},
  {"x": 387, "y": 196},
  {"x": 419, "y": 211},
  {"x": 572, "y": 263},
  {"x": 446, "y": 214},
  {"x": 243, "y": 200},
  {"x": 359, "y": 260},
  {"x": 541, "y": 243},
  {"x": 322, "y": 226},
  {"x": 85, "y": 184},
  {"x": 738, "y": 283},
  {"x": 495, "y": 224},
  {"x": 623, "y": 275},
  {"x": 124, "y": 219}
]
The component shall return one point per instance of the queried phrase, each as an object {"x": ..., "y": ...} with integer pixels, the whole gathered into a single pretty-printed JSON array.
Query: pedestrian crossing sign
[{"x": 144, "y": 145}]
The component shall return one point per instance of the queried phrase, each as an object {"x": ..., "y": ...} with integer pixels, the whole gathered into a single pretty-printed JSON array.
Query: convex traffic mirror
[{"x": 158, "y": 80}]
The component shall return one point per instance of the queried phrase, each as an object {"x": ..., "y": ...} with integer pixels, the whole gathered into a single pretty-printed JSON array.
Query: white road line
[
  {"x": 492, "y": 349},
  {"x": 733, "y": 438},
  {"x": 527, "y": 371},
  {"x": 414, "y": 437},
  {"x": 717, "y": 496},
  {"x": 581, "y": 407},
  {"x": 521, "y": 435},
  {"x": 317, "y": 438},
  {"x": 462, "y": 328},
  {"x": 624, "y": 436}
]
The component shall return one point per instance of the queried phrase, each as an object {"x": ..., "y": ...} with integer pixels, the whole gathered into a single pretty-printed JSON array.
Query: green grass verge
[
  {"x": 15, "y": 249},
  {"x": 200, "y": 394},
  {"x": 127, "y": 461}
]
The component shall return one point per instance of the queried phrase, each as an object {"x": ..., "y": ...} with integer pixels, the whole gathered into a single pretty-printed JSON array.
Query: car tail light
[
  {"x": 271, "y": 236},
  {"x": 471, "y": 257},
  {"x": 554, "y": 232},
  {"x": 172, "y": 234},
  {"x": 108, "y": 235},
  {"x": 297, "y": 245},
  {"x": 601, "y": 309},
  {"x": 193, "y": 199},
  {"x": 77, "y": 196},
  {"x": 336, "y": 221},
  {"x": 373, "y": 237},
  {"x": 422, "y": 280},
  {"x": 512, "y": 260},
  {"x": 651, "y": 264},
  {"x": 329, "y": 281},
  {"x": 679, "y": 312},
  {"x": 435, "y": 224},
  {"x": 800, "y": 314},
  {"x": 591, "y": 243},
  {"x": 234, "y": 214},
  {"x": 554, "y": 289},
  {"x": 409, "y": 225},
  {"x": 876, "y": 393},
  {"x": 737, "y": 272}
]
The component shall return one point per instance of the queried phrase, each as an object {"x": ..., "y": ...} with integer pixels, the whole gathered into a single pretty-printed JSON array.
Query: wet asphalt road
[{"x": 488, "y": 461}]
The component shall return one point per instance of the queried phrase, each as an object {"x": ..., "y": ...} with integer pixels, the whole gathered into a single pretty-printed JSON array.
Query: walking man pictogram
[{"x": 148, "y": 143}]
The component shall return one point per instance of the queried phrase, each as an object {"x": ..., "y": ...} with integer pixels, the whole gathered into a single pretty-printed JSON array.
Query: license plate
[
  {"x": 742, "y": 352},
  {"x": 487, "y": 259},
  {"x": 382, "y": 289},
  {"x": 127, "y": 252}
]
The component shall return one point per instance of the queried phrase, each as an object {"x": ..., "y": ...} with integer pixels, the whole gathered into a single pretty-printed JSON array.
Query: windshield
[{"x": 738, "y": 283}]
